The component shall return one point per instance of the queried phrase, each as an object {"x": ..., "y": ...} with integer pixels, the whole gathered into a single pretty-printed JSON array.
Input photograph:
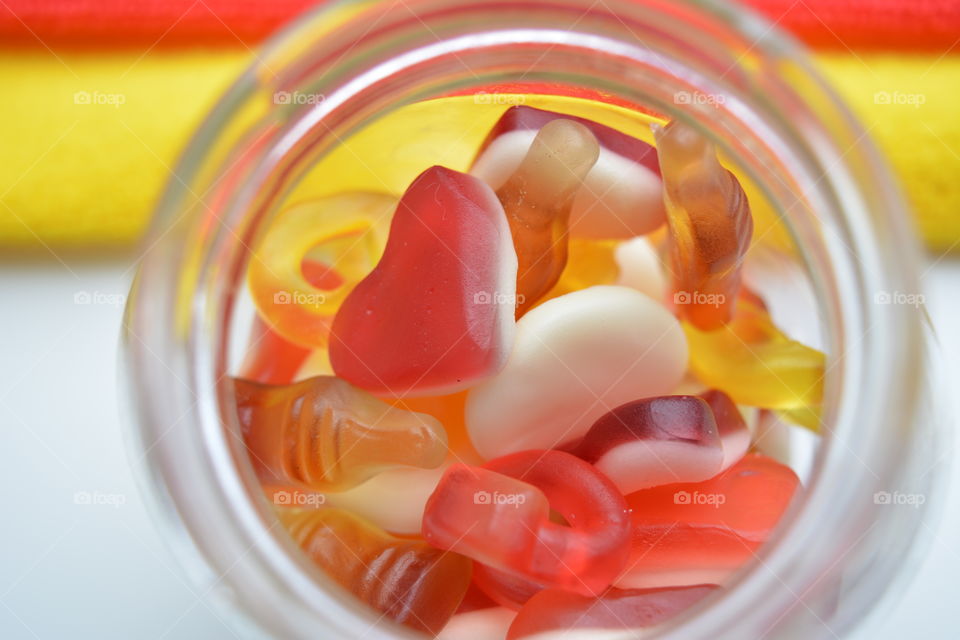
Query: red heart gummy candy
[{"x": 436, "y": 314}]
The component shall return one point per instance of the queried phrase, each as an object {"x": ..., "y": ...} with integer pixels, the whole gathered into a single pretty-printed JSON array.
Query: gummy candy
[
  {"x": 475, "y": 598},
  {"x": 731, "y": 427},
  {"x": 772, "y": 437},
  {"x": 807, "y": 416},
  {"x": 666, "y": 440},
  {"x": 654, "y": 441},
  {"x": 480, "y": 624},
  {"x": 406, "y": 580},
  {"x": 393, "y": 500},
  {"x": 505, "y": 589},
  {"x": 688, "y": 386},
  {"x": 316, "y": 364},
  {"x": 639, "y": 268},
  {"x": 450, "y": 411},
  {"x": 556, "y": 610},
  {"x": 537, "y": 199},
  {"x": 703, "y": 532},
  {"x": 574, "y": 358},
  {"x": 499, "y": 514},
  {"x": 437, "y": 313},
  {"x": 710, "y": 225},
  {"x": 620, "y": 196},
  {"x": 474, "y": 511},
  {"x": 516, "y": 315},
  {"x": 271, "y": 359},
  {"x": 324, "y": 434},
  {"x": 341, "y": 234},
  {"x": 589, "y": 263},
  {"x": 756, "y": 364}
]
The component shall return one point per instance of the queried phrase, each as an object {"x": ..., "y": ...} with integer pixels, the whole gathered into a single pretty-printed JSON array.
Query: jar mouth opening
[{"x": 756, "y": 118}]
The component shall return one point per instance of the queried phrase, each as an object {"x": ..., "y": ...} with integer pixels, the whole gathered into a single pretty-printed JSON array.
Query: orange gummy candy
[
  {"x": 406, "y": 580},
  {"x": 450, "y": 410},
  {"x": 326, "y": 435},
  {"x": 271, "y": 358},
  {"x": 710, "y": 226},
  {"x": 538, "y": 198}
]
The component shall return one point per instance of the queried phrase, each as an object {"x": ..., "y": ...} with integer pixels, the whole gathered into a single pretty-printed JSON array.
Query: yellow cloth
[
  {"x": 908, "y": 105},
  {"x": 89, "y": 139}
]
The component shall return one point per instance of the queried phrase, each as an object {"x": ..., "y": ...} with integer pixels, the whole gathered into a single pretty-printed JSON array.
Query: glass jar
[{"x": 342, "y": 69}]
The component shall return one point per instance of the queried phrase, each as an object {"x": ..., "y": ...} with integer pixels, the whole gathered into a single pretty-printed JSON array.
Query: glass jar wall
[{"x": 367, "y": 95}]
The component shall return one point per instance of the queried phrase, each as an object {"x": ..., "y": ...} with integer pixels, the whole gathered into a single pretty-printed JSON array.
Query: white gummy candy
[
  {"x": 619, "y": 198},
  {"x": 640, "y": 268},
  {"x": 574, "y": 358},
  {"x": 481, "y": 624},
  {"x": 392, "y": 500}
]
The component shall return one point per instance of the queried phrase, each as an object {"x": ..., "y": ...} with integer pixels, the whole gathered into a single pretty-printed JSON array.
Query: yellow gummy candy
[
  {"x": 757, "y": 365},
  {"x": 589, "y": 263},
  {"x": 346, "y": 232}
]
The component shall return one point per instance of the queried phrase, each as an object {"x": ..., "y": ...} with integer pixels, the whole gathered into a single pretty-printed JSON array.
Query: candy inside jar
[{"x": 526, "y": 390}]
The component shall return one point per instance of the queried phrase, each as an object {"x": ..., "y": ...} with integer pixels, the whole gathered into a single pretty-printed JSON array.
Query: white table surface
[{"x": 70, "y": 570}]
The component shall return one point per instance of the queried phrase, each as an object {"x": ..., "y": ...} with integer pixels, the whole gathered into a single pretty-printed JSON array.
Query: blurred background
[{"x": 99, "y": 97}]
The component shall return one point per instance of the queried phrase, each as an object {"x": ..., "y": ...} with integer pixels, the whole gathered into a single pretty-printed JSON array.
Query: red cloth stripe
[
  {"x": 899, "y": 25},
  {"x": 860, "y": 25},
  {"x": 124, "y": 23}
]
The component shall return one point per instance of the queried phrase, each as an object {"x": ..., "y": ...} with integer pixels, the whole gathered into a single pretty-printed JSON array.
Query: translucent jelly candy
[
  {"x": 505, "y": 589},
  {"x": 574, "y": 358},
  {"x": 732, "y": 428},
  {"x": 621, "y": 194},
  {"x": 556, "y": 610},
  {"x": 654, "y": 441},
  {"x": 437, "y": 313},
  {"x": 324, "y": 434},
  {"x": 710, "y": 225},
  {"x": 316, "y": 364},
  {"x": 342, "y": 234},
  {"x": 703, "y": 532},
  {"x": 589, "y": 263},
  {"x": 475, "y": 599},
  {"x": 450, "y": 411},
  {"x": 537, "y": 199},
  {"x": 756, "y": 364},
  {"x": 631, "y": 263},
  {"x": 407, "y": 580},
  {"x": 272, "y": 359},
  {"x": 499, "y": 515}
]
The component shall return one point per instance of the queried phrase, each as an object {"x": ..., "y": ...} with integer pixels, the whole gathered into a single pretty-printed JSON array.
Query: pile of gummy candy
[{"x": 541, "y": 383}]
